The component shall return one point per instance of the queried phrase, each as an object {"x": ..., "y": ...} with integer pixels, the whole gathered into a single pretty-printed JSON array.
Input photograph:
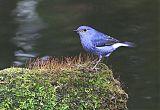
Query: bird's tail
[
  {"x": 124, "y": 44},
  {"x": 130, "y": 44}
]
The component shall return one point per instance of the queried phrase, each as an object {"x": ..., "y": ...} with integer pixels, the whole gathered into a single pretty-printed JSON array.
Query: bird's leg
[
  {"x": 94, "y": 61},
  {"x": 100, "y": 58}
]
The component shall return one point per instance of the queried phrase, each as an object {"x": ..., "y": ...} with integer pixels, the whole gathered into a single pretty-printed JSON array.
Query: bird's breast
[{"x": 87, "y": 45}]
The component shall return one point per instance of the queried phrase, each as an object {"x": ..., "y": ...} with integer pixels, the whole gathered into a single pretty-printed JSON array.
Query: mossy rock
[{"x": 79, "y": 89}]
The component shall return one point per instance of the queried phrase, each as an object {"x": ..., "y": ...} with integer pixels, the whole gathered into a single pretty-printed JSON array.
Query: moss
[
  {"x": 25, "y": 89},
  {"x": 77, "y": 89}
]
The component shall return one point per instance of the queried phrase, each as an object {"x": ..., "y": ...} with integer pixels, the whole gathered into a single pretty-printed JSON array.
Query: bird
[{"x": 98, "y": 43}]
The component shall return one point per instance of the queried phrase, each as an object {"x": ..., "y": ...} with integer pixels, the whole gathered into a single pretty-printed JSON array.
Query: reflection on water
[{"x": 28, "y": 31}]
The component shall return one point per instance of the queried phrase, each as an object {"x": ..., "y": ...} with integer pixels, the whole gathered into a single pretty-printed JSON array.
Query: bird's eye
[{"x": 84, "y": 30}]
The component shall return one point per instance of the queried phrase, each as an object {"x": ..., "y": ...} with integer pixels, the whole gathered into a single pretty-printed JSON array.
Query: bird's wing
[{"x": 101, "y": 39}]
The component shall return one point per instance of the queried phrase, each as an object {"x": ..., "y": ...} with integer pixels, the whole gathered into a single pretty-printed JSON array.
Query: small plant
[{"x": 65, "y": 63}]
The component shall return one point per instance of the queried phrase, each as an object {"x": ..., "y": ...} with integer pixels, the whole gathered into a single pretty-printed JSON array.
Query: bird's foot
[
  {"x": 91, "y": 69},
  {"x": 95, "y": 69}
]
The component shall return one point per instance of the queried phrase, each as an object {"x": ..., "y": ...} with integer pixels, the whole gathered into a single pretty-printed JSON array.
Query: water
[
  {"x": 37, "y": 28},
  {"x": 29, "y": 25}
]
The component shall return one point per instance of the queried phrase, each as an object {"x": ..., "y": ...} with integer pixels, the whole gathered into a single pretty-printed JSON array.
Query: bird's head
[{"x": 84, "y": 30}]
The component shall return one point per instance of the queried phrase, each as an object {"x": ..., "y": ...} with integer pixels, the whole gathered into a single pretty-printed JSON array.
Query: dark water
[{"x": 36, "y": 28}]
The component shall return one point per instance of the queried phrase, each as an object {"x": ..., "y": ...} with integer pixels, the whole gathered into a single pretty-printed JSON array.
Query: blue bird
[{"x": 98, "y": 43}]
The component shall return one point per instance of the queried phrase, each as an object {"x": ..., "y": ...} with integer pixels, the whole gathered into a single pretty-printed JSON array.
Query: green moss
[
  {"x": 79, "y": 89},
  {"x": 23, "y": 89}
]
